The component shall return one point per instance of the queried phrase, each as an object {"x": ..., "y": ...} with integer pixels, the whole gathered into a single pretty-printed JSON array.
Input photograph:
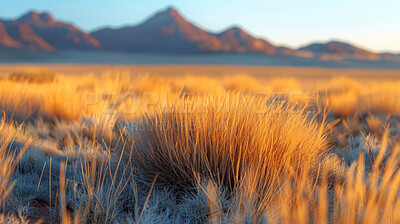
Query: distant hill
[
  {"x": 336, "y": 50},
  {"x": 40, "y": 32}
]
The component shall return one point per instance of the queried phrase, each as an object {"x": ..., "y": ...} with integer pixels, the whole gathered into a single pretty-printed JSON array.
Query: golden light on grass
[
  {"x": 383, "y": 97},
  {"x": 343, "y": 104},
  {"x": 375, "y": 124},
  {"x": 236, "y": 141},
  {"x": 9, "y": 158},
  {"x": 242, "y": 83},
  {"x": 284, "y": 85},
  {"x": 226, "y": 149}
]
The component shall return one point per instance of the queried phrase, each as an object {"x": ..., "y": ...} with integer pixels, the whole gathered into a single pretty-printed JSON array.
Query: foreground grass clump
[
  {"x": 232, "y": 140},
  {"x": 9, "y": 158},
  {"x": 362, "y": 197}
]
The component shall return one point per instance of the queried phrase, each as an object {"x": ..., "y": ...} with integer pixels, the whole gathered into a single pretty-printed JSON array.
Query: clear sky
[{"x": 371, "y": 24}]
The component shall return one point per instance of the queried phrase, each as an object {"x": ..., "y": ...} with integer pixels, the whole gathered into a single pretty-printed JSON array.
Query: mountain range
[{"x": 165, "y": 32}]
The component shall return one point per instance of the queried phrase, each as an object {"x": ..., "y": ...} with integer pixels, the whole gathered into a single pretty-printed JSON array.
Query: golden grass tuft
[
  {"x": 201, "y": 85},
  {"x": 363, "y": 197},
  {"x": 343, "y": 104},
  {"x": 375, "y": 124},
  {"x": 284, "y": 85},
  {"x": 383, "y": 97},
  {"x": 227, "y": 139},
  {"x": 242, "y": 83}
]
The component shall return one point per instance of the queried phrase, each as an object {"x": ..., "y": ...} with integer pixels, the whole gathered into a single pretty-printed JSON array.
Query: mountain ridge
[{"x": 166, "y": 32}]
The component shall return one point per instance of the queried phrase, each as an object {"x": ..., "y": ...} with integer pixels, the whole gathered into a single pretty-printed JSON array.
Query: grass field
[{"x": 198, "y": 144}]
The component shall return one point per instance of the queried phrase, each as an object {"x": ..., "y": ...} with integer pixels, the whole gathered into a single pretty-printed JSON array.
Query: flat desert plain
[{"x": 198, "y": 144}]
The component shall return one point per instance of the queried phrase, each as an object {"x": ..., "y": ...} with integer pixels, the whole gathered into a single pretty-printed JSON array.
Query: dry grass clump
[
  {"x": 363, "y": 197},
  {"x": 149, "y": 84},
  {"x": 343, "y": 103},
  {"x": 32, "y": 76},
  {"x": 375, "y": 124},
  {"x": 284, "y": 85},
  {"x": 12, "y": 219},
  {"x": 348, "y": 96},
  {"x": 66, "y": 98},
  {"x": 360, "y": 196},
  {"x": 11, "y": 149},
  {"x": 242, "y": 83},
  {"x": 343, "y": 96},
  {"x": 23, "y": 101},
  {"x": 343, "y": 84},
  {"x": 5, "y": 174},
  {"x": 201, "y": 85},
  {"x": 383, "y": 97},
  {"x": 232, "y": 140},
  {"x": 102, "y": 193},
  {"x": 94, "y": 183}
]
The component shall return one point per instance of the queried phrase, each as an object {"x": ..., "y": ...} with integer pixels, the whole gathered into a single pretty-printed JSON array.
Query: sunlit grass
[{"x": 119, "y": 148}]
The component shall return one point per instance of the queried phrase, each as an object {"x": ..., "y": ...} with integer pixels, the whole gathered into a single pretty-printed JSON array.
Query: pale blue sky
[{"x": 369, "y": 23}]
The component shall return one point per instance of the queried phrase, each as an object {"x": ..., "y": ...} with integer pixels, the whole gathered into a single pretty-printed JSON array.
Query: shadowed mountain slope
[{"x": 39, "y": 31}]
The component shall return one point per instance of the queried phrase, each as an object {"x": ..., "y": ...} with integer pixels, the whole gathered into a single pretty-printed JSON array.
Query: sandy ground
[{"x": 309, "y": 77}]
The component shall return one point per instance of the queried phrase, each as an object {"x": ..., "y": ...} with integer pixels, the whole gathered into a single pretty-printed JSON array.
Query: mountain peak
[
  {"x": 234, "y": 29},
  {"x": 337, "y": 42},
  {"x": 166, "y": 31},
  {"x": 35, "y": 17},
  {"x": 169, "y": 12},
  {"x": 169, "y": 19},
  {"x": 47, "y": 17}
]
